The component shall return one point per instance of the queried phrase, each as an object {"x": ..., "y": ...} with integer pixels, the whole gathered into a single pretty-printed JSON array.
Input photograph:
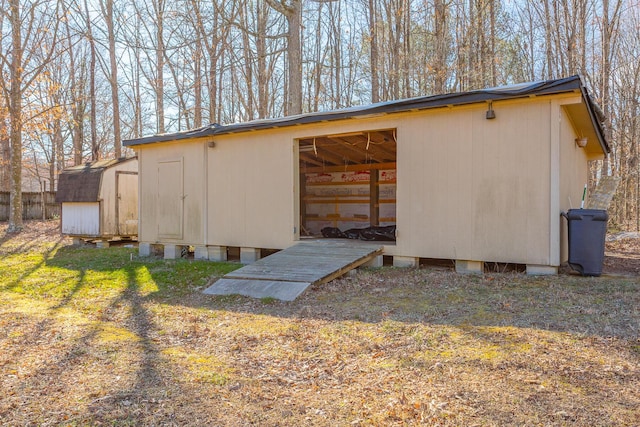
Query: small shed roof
[
  {"x": 521, "y": 90},
  {"x": 82, "y": 183}
]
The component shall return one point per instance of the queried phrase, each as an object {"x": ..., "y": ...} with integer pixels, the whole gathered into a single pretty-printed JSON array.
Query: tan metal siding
[
  {"x": 471, "y": 188},
  {"x": 109, "y": 193},
  {"x": 251, "y": 190},
  {"x": 157, "y": 215}
]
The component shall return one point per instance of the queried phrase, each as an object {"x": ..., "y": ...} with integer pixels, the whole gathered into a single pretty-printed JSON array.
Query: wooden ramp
[{"x": 286, "y": 274}]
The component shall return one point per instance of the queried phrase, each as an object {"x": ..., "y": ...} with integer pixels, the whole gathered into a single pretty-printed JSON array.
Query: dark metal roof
[
  {"x": 548, "y": 87},
  {"x": 82, "y": 183}
]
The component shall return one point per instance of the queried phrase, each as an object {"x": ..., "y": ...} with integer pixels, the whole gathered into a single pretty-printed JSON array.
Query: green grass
[{"x": 93, "y": 277}]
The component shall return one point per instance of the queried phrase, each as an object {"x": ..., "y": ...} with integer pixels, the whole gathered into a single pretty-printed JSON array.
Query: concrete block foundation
[
  {"x": 144, "y": 249},
  {"x": 201, "y": 253},
  {"x": 541, "y": 270},
  {"x": 469, "y": 267},
  {"x": 375, "y": 262},
  {"x": 217, "y": 253},
  {"x": 406, "y": 261},
  {"x": 172, "y": 251},
  {"x": 249, "y": 255}
]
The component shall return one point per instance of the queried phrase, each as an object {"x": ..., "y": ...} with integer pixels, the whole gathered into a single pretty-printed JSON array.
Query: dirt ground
[
  {"x": 622, "y": 255},
  {"x": 87, "y": 343}
]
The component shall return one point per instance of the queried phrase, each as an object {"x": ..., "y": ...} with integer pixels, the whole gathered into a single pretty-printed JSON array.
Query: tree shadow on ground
[
  {"x": 118, "y": 321},
  {"x": 584, "y": 306},
  {"x": 605, "y": 307},
  {"x": 396, "y": 302}
]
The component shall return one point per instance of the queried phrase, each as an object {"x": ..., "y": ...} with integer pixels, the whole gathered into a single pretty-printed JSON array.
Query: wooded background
[{"x": 78, "y": 76}]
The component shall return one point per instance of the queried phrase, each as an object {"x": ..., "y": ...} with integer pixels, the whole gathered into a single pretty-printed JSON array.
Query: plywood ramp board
[{"x": 286, "y": 274}]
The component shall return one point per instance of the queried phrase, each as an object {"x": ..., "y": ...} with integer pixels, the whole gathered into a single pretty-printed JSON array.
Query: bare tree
[
  {"x": 5, "y": 148},
  {"x": 441, "y": 48},
  {"x": 106, "y": 7},
  {"x": 292, "y": 10},
  {"x": 95, "y": 148},
  {"x": 373, "y": 49},
  {"x": 33, "y": 28}
]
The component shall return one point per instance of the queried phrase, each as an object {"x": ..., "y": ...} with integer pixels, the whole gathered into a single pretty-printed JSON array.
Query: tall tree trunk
[
  {"x": 292, "y": 11},
  {"x": 492, "y": 43},
  {"x": 294, "y": 52},
  {"x": 261, "y": 51},
  {"x": 247, "y": 62},
  {"x": 548, "y": 37},
  {"x": 5, "y": 155},
  {"x": 609, "y": 26},
  {"x": 56, "y": 151},
  {"x": 113, "y": 76},
  {"x": 336, "y": 55},
  {"x": 406, "y": 51},
  {"x": 440, "y": 57},
  {"x": 373, "y": 34},
  {"x": 15, "y": 112},
  {"x": 197, "y": 86},
  {"x": 160, "y": 54},
  {"x": 77, "y": 105},
  {"x": 93, "y": 121}
]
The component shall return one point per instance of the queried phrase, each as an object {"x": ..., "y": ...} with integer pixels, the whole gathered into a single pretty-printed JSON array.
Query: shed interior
[{"x": 348, "y": 182}]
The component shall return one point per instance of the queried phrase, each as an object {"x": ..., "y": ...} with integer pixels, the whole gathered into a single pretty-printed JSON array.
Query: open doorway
[{"x": 348, "y": 185}]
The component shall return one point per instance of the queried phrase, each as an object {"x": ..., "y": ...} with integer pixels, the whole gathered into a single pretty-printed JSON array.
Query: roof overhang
[{"x": 522, "y": 90}]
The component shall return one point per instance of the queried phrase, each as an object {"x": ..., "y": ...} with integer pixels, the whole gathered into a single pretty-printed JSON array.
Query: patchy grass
[{"x": 102, "y": 337}]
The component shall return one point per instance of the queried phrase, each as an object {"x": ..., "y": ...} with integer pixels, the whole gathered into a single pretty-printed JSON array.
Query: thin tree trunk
[
  {"x": 197, "y": 86},
  {"x": 15, "y": 112},
  {"x": 95, "y": 149},
  {"x": 113, "y": 77},
  {"x": 294, "y": 51},
  {"x": 160, "y": 55},
  {"x": 439, "y": 67},
  {"x": 5, "y": 156},
  {"x": 548, "y": 39},
  {"x": 77, "y": 106},
  {"x": 261, "y": 52},
  {"x": 609, "y": 26},
  {"x": 373, "y": 34}
]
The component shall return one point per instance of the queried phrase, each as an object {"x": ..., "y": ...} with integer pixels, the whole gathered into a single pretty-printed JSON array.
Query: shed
[
  {"x": 474, "y": 177},
  {"x": 100, "y": 199}
]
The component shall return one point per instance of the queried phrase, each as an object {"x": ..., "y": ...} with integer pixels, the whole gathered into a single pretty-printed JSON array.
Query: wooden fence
[{"x": 33, "y": 205}]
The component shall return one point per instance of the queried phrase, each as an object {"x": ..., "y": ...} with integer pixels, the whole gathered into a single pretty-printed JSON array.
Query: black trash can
[{"x": 587, "y": 232}]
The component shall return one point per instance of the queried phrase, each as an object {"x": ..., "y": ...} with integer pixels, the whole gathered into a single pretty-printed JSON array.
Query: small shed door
[
  {"x": 127, "y": 203},
  {"x": 170, "y": 199}
]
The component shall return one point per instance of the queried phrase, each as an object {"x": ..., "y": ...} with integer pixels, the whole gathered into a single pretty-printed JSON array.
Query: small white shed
[{"x": 100, "y": 199}]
